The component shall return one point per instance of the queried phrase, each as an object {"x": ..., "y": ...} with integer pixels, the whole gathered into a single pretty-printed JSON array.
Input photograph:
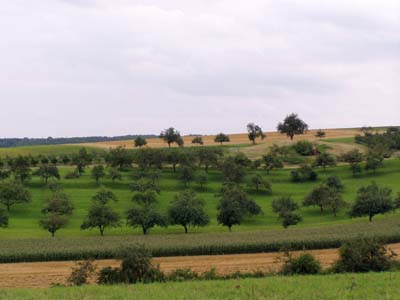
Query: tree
[
  {"x": 52, "y": 222},
  {"x": 170, "y": 136},
  {"x": 21, "y": 168},
  {"x": 208, "y": 156},
  {"x": 260, "y": 184},
  {"x": 234, "y": 205},
  {"x": 304, "y": 173},
  {"x": 222, "y": 138},
  {"x": 374, "y": 158},
  {"x": 372, "y": 200},
  {"x": 58, "y": 203},
  {"x": 140, "y": 142},
  {"x": 145, "y": 217},
  {"x": 254, "y": 132},
  {"x": 188, "y": 210},
  {"x": 47, "y": 171},
  {"x": 103, "y": 196},
  {"x": 114, "y": 174},
  {"x": 143, "y": 185},
  {"x": 4, "y": 174},
  {"x": 320, "y": 134},
  {"x": 201, "y": 179},
  {"x": 335, "y": 183},
  {"x": 12, "y": 193},
  {"x": 325, "y": 197},
  {"x": 98, "y": 172},
  {"x": 145, "y": 198},
  {"x": 354, "y": 159},
  {"x": 231, "y": 170},
  {"x": 272, "y": 161},
  {"x": 120, "y": 158},
  {"x": 325, "y": 160},
  {"x": 292, "y": 125},
  {"x": 286, "y": 209},
  {"x": 187, "y": 175},
  {"x": 230, "y": 213},
  {"x": 82, "y": 160},
  {"x": 198, "y": 140},
  {"x": 3, "y": 218},
  {"x": 101, "y": 216}
]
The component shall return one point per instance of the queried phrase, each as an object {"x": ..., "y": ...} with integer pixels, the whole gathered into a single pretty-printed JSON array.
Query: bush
[
  {"x": 301, "y": 265},
  {"x": 304, "y": 173},
  {"x": 109, "y": 276},
  {"x": 364, "y": 255},
  {"x": 183, "y": 275},
  {"x": 82, "y": 272},
  {"x": 304, "y": 148}
]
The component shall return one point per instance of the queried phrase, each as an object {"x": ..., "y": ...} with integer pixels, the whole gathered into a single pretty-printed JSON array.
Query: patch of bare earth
[{"x": 45, "y": 274}]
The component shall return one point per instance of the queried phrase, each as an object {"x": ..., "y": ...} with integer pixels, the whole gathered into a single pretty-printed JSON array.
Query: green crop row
[{"x": 56, "y": 249}]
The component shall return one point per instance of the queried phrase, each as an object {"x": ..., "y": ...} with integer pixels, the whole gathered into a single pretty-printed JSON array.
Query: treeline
[
  {"x": 389, "y": 139},
  {"x": 18, "y": 142}
]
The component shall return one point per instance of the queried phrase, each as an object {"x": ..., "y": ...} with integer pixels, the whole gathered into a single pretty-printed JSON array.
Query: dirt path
[{"x": 44, "y": 274}]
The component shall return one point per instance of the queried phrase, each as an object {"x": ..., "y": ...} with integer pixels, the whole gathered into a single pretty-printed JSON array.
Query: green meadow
[
  {"x": 24, "y": 218},
  {"x": 370, "y": 286}
]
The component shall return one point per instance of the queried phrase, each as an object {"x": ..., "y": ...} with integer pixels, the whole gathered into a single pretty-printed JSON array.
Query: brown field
[
  {"x": 236, "y": 139},
  {"x": 43, "y": 275},
  {"x": 255, "y": 151}
]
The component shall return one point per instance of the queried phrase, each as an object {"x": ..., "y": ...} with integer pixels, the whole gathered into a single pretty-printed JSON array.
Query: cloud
[{"x": 94, "y": 67}]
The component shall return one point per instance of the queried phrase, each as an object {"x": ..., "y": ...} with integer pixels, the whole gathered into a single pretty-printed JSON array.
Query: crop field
[
  {"x": 50, "y": 150},
  {"x": 24, "y": 217},
  {"x": 370, "y": 286}
]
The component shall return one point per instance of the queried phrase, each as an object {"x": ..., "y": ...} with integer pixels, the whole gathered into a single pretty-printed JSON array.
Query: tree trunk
[
  {"x": 370, "y": 217},
  {"x": 101, "y": 231},
  {"x": 8, "y": 207},
  {"x": 144, "y": 230},
  {"x": 186, "y": 229},
  {"x": 230, "y": 228}
]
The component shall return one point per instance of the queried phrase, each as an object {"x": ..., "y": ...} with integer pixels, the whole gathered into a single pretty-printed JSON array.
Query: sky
[{"x": 100, "y": 67}]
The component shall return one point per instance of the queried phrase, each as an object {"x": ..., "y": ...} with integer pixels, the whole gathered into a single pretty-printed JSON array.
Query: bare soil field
[{"x": 45, "y": 274}]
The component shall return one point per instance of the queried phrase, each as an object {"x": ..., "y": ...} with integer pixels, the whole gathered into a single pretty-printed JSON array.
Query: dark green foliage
[
  {"x": 197, "y": 140},
  {"x": 304, "y": 264},
  {"x": 52, "y": 222},
  {"x": 47, "y": 171},
  {"x": 304, "y": 173},
  {"x": 3, "y": 218},
  {"x": 72, "y": 175},
  {"x": 324, "y": 197},
  {"x": 82, "y": 160},
  {"x": 374, "y": 158},
  {"x": 335, "y": 183},
  {"x": 324, "y": 160},
  {"x": 364, "y": 255},
  {"x": 354, "y": 158},
  {"x": 222, "y": 138},
  {"x": 272, "y": 161},
  {"x": 21, "y": 168},
  {"x": 170, "y": 136},
  {"x": 292, "y": 125},
  {"x": 12, "y": 193},
  {"x": 140, "y": 141},
  {"x": 100, "y": 215},
  {"x": 286, "y": 209},
  {"x": 254, "y": 132},
  {"x": 4, "y": 174},
  {"x": 120, "y": 158},
  {"x": 58, "y": 203},
  {"x": 389, "y": 139},
  {"x": 372, "y": 200},
  {"x": 98, "y": 173},
  {"x": 234, "y": 205},
  {"x": 188, "y": 210},
  {"x": 145, "y": 217},
  {"x": 232, "y": 170},
  {"x": 304, "y": 148},
  {"x": 182, "y": 275},
  {"x": 187, "y": 175},
  {"x": 114, "y": 174},
  {"x": 201, "y": 179},
  {"x": 320, "y": 134},
  {"x": 259, "y": 184},
  {"x": 143, "y": 185}
]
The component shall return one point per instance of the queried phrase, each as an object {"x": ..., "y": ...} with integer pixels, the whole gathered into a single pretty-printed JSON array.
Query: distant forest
[{"x": 17, "y": 142}]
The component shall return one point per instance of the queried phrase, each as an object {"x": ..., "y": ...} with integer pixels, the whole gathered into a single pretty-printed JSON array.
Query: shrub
[
  {"x": 364, "y": 255},
  {"x": 109, "y": 276},
  {"x": 304, "y": 148},
  {"x": 304, "y": 173},
  {"x": 82, "y": 272},
  {"x": 183, "y": 275},
  {"x": 301, "y": 265}
]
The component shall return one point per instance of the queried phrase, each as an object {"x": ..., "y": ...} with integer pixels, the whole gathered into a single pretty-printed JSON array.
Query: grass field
[
  {"x": 371, "y": 286},
  {"x": 24, "y": 217}
]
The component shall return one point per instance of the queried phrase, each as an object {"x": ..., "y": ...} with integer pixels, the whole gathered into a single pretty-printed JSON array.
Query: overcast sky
[{"x": 101, "y": 67}]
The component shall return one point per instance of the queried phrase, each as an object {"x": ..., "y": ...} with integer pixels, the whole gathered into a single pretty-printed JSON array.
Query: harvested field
[
  {"x": 236, "y": 139},
  {"x": 43, "y": 275}
]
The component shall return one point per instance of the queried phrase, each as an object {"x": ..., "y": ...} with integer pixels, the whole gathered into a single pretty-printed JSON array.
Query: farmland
[{"x": 328, "y": 287}]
